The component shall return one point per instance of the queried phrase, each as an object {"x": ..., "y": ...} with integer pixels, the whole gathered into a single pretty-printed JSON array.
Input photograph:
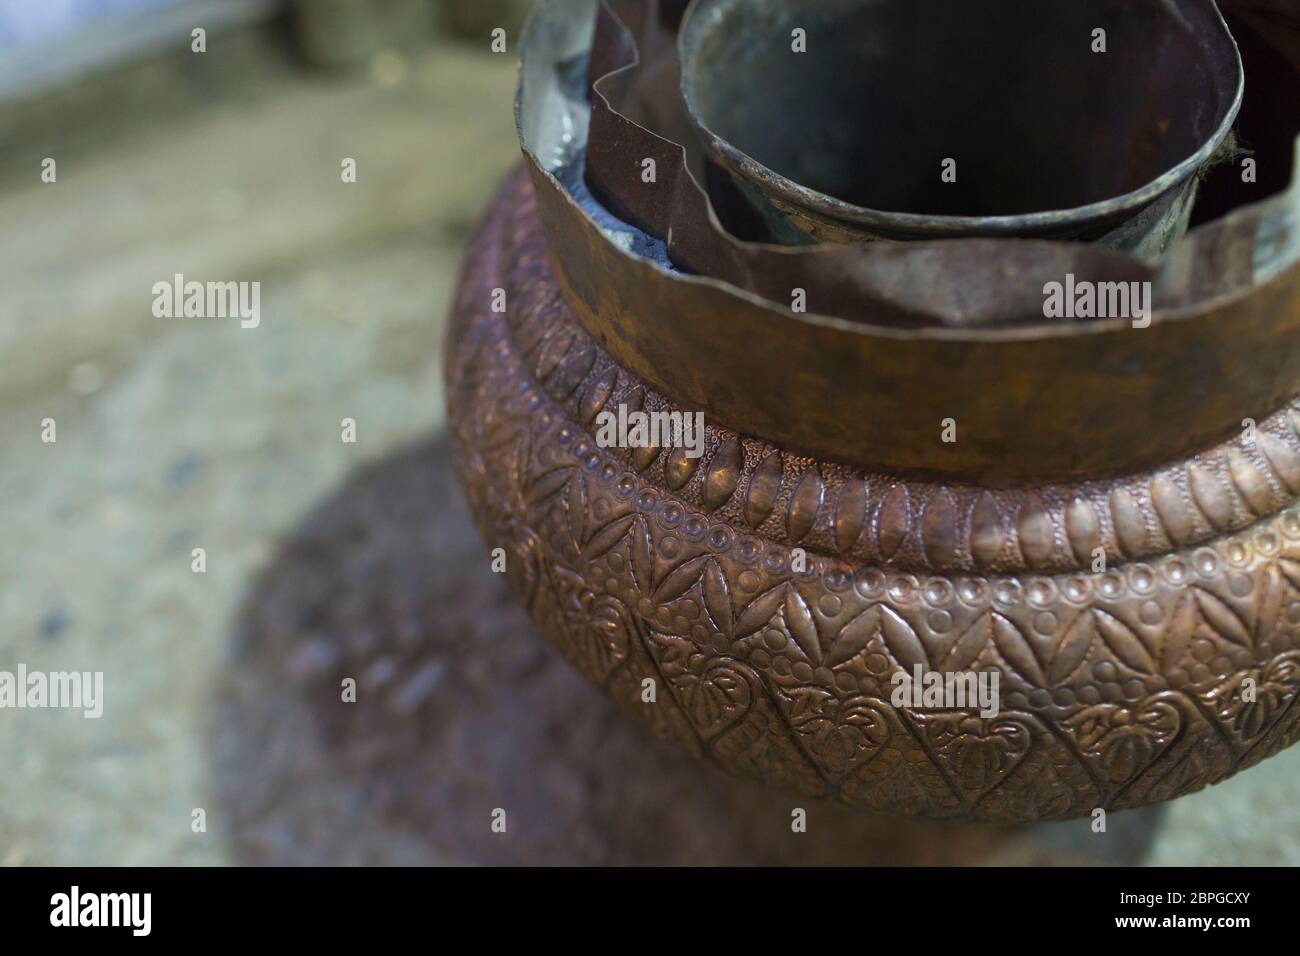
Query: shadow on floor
[{"x": 462, "y": 709}]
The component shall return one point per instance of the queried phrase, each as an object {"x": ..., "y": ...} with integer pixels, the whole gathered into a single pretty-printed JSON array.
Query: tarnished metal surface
[
  {"x": 636, "y": 112},
  {"x": 1118, "y": 688},
  {"x": 1103, "y": 536},
  {"x": 1048, "y": 134},
  {"x": 1033, "y": 403},
  {"x": 634, "y": 71}
]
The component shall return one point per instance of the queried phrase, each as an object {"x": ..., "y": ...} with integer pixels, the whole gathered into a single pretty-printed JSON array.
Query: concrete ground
[{"x": 327, "y": 558}]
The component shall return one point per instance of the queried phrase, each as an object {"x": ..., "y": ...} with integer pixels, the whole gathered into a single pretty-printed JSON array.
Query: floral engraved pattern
[{"x": 1172, "y": 669}]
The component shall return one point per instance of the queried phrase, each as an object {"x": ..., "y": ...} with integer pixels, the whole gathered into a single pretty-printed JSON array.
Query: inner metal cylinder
[{"x": 852, "y": 120}]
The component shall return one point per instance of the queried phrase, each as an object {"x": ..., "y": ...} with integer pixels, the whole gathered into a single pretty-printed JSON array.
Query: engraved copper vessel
[{"x": 1114, "y": 532}]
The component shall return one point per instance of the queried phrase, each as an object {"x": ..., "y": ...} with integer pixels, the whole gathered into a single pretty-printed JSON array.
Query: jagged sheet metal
[
  {"x": 637, "y": 112},
  {"x": 1137, "y": 198},
  {"x": 1031, "y": 403}
]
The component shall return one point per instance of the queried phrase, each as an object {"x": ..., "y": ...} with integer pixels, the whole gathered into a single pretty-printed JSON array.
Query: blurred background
[{"x": 324, "y": 558}]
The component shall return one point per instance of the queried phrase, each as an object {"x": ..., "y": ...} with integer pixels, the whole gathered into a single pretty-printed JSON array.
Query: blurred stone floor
[{"x": 327, "y": 559}]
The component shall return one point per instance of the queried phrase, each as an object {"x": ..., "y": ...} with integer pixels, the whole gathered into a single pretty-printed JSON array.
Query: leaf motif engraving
[
  {"x": 719, "y": 699},
  {"x": 1268, "y": 609},
  {"x": 1082, "y": 528},
  {"x": 1037, "y": 536},
  {"x": 547, "y": 484},
  {"x": 853, "y": 638},
  {"x": 1130, "y": 526},
  {"x": 901, "y": 640},
  {"x": 1250, "y": 482},
  {"x": 1171, "y": 509},
  {"x": 680, "y": 579},
  {"x": 760, "y": 611},
  {"x": 802, "y": 627},
  {"x": 607, "y": 538},
  {"x": 986, "y": 533},
  {"x": 893, "y": 521},
  {"x": 575, "y": 507},
  {"x": 679, "y": 468},
  {"x": 1282, "y": 458},
  {"x": 764, "y": 489},
  {"x": 898, "y": 636},
  {"x": 805, "y": 503},
  {"x": 1177, "y": 633},
  {"x": 939, "y": 529},
  {"x": 724, "y": 474},
  {"x": 1210, "y": 496},
  {"x": 643, "y": 565},
  {"x": 1072, "y": 649},
  {"x": 849, "y": 514},
  {"x": 1122, "y": 642},
  {"x": 1015, "y": 649},
  {"x": 967, "y": 647},
  {"x": 597, "y": 395},
  {"x": 632, "y": 529},
  {"x": 1222, "y": 619},
  {"x": 570, "y": 374},
  {"x": 717, "y": 597}
]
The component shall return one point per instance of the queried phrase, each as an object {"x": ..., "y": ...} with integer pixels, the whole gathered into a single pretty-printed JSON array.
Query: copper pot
[{"x": 1130, "y": 575}]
